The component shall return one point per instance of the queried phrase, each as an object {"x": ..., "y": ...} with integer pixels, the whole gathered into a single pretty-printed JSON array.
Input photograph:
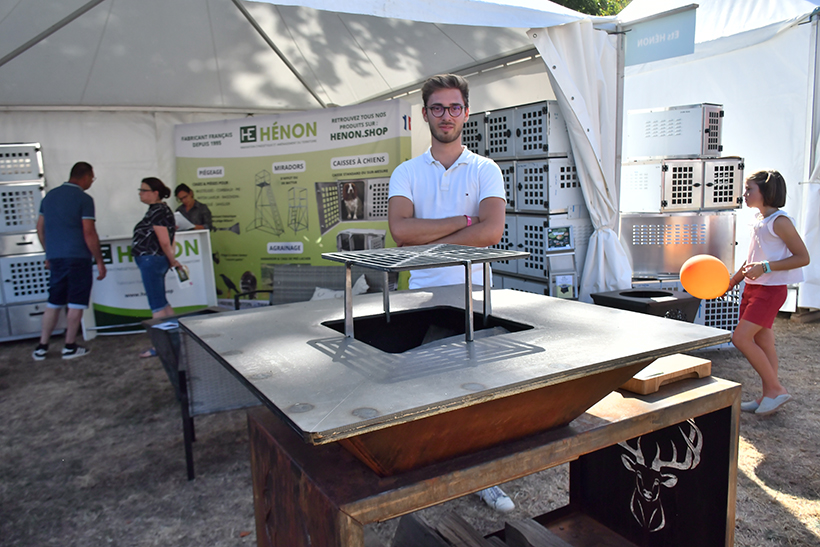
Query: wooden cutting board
[{"x": 667, "y": 370}]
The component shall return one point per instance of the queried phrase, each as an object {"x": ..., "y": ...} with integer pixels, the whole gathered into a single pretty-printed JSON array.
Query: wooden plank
[
  {"x": 495, "y": 542},
  {"x": 528, "y": 533},
  {"x": 290, "y": 509},
  {"x": 459, "y": 532},
  {"x": 581, "y": 530},
  {"x": 415, "y": 531},
  {"x": 667, "y": 370},
  {"x": 366, "y": 497}
]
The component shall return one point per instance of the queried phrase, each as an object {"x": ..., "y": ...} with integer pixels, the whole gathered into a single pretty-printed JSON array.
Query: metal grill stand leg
[{"x": 468, "y": 301}]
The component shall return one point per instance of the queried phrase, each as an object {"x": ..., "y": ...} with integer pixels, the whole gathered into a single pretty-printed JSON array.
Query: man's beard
[{"x": 446, "y": 139}]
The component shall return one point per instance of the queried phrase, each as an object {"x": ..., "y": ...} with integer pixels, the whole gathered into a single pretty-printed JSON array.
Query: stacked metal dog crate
[
  {"x": 546, "y": 215},
  {"x": 22, "y": 259},
  {"x": 678, "y": 199}
]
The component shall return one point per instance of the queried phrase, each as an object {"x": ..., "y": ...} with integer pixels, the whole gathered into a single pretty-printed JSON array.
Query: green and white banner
[
  {"x": 120, "y": 299},
  {"x": 283, "y": 189}
]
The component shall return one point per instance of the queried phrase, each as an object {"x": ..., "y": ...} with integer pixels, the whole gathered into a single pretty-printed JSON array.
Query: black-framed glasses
[
  {"x": 437, "y": 110},
  {"x": 141, "y": 190}
]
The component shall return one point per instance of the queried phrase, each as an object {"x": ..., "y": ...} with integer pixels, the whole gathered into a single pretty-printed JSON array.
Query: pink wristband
[{"x": 469, "y": 220}]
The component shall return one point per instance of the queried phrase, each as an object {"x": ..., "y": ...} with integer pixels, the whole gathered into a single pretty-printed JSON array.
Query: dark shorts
[
  {"x": 69, "y": 282},
  {"x": 153, "y": 269},
  {"x": 760, "y": 303}
]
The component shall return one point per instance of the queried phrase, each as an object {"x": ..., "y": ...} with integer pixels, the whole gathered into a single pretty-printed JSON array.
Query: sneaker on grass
[{"x": 497, "y": 499}]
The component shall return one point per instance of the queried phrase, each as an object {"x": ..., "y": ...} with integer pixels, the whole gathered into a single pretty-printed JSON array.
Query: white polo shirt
[{"x": 440, "y": 193}]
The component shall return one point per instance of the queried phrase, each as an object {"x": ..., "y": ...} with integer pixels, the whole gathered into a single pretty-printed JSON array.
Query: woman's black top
[{"x": 145, "y": 241}]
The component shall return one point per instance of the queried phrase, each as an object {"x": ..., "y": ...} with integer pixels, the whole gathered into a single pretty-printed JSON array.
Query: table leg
[{"x": 289, "y": 508}]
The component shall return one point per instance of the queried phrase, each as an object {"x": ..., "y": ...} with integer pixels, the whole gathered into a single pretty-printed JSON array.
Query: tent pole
[
  {"x": 281, "y": 55},
  {"x": 814, "y": 94},
  {"x": 619, "y": 119},
  {"x": 50, "y": 30}
]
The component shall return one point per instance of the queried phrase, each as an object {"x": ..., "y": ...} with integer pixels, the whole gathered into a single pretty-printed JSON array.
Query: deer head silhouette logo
[{"x": 646, "y": 503}]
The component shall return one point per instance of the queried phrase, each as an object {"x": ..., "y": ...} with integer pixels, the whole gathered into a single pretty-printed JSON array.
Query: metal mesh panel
[
  {"x": 25, "y": 278},
  {"x": 681, "y": 186},
  {"x": 723, "y": 183},
  {"x": 328, "y": 203},
  {"x": 532, "y": 234},
  {"x": 532, "y": 183},
  {"x": 211, "y": 388},
  {"x": 660, "y": 244},
  {"x": 20, "y": 162},
  {"x": 507, "y": 242},
  {"x": 722, "y": 312},
  {"x": 474, "y": 134},
  {"x": 421, "y": 257},
  {"x": 508, "y": 174},
  {"x": 693, "y": 233},
  {"x": 20, "y": 207},
  {"x": 713, "y": 131},
  {"x": 500, "y": 125},
  {"x": 375, "y": 206},
  {"x": 531, "y": 130},
  {"x": 564, "y": 186}
]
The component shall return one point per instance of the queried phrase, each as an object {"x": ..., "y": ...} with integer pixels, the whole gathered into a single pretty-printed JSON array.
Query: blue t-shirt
[{"x": 64, "y": 209}]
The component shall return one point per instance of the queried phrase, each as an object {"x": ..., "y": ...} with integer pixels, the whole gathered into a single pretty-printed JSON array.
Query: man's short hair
[
  {"x": 80, "y": 170},
  {"x": 446, "y": 81}
]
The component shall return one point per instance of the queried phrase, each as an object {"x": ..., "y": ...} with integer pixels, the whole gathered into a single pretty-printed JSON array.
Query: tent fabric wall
[
  {"x": 763, "y": 73},
  {"x": 123, "y": 147},
  {"x": 582, "y": 65},
  {"x": 125, "y": 67}
]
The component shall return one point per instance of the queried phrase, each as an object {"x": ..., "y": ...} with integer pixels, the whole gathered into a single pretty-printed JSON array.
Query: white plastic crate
[
  {"x": 688, "y": 131},
  {"x": 527, "y": 131},
  {"x": 670, "y": 185}
]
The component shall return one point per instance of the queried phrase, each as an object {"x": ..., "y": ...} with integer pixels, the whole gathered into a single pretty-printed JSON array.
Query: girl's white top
[{"x": 767, "y": 245}]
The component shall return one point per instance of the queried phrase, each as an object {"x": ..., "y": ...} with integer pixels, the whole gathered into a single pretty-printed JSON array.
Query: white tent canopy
[
  {"x": 106, "y": 81},
  {"x": 759, "y": 60}
]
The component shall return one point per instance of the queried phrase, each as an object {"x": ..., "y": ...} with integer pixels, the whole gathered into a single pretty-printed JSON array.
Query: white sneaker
[{"x": 496, "y": 499}]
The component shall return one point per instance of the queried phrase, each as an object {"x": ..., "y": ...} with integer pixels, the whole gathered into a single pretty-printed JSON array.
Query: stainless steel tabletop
[{"x": 329, "y": 387}]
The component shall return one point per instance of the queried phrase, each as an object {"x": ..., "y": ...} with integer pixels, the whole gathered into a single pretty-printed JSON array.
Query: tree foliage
[{"x": 595, "y": 7}]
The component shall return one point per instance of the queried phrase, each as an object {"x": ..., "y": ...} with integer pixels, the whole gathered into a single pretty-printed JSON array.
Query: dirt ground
[{"x": 91, "y": 454}]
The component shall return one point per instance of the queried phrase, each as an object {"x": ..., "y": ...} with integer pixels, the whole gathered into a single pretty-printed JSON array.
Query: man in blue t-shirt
[{"x": 67, "y": 232}]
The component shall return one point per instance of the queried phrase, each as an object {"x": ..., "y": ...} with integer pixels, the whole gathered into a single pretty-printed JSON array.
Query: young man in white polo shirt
[{"x": 448, "y": 195}]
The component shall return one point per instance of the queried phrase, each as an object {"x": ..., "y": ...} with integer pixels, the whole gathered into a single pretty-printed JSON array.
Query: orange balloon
[{"x": 704, "y": 277}]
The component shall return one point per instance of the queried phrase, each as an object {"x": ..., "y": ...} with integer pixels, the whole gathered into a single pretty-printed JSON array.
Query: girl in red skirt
[{"x": 776, "y": 254}]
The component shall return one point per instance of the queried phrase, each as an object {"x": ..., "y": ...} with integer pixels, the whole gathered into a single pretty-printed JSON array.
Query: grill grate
[
  {"x": 422, "y": 256},
  {"x": 418, "y": 258}
]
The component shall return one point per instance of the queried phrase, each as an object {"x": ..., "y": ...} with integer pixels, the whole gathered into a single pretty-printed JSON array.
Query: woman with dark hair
[
  {"x": 195, "y": 211},
  {"x": 153, "y": 247}
]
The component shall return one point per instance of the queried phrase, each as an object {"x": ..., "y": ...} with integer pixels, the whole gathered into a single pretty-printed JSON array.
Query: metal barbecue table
[{"x": 401, "y": 405}]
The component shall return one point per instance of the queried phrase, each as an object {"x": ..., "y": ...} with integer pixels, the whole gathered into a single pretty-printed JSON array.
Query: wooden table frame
[{"x": 322, "y": 495}]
